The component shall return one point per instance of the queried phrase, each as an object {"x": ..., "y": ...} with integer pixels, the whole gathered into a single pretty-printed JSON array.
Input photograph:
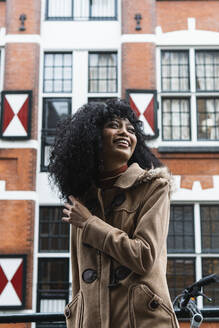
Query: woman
[{"x": 118, "y": 207}]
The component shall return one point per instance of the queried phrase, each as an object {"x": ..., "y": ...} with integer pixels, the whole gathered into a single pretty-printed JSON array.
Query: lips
[{"x": 123, "y": 142}]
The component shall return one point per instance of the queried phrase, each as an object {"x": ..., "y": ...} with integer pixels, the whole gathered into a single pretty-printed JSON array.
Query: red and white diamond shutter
[
  {"x": 16, "y": 114},
  {"x": 11, "y": 282},
  {"x": 144, "y": 104}
]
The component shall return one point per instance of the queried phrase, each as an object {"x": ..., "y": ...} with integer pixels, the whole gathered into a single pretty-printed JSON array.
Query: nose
[{"x": 123, "y": 130}]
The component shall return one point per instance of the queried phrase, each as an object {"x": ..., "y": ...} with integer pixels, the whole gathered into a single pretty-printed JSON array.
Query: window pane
[
  {"x": 95, "y": 9},
  {"x": 57, "y": 72},
  {"x": 102, "y": 72},
  {"x": 103, "y": 8},
  {"x": 180, "y": 274},
  {"x": 59, "y": 8},
  {"x": 181, "y": 229},
  {"x": 208, "y": 118},
  {"x": 175, "y": 70},
  {"x": 54, "y": 109},
  {"x": 176, "y": 119},
  {"x": 207, "y": 70},
  {"x": 210, "y": 266},
  {"x": 53, "y": 234},
  {"x": 210, "y": 228},
  {"x": 53, "y": 284}
]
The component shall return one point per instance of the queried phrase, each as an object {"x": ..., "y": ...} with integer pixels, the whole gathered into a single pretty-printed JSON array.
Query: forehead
[{"x": 120, "y": 120}]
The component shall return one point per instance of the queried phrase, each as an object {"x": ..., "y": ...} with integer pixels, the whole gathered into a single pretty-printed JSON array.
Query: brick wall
[
  {"x": 173, "y": 15},
  {"x": 146, "y": 8},
  {"x": 138, "y": 66},
  {"x": 18, "y": 165},
  {"x": 2, "y": 14},
  {"x": 32, "y": 11},
  {"x": 204, "y": 325},
  {"x": 18, "y": 168},
  {"x": 21, "y": 73},
  {"x": 17, "y": 234}
]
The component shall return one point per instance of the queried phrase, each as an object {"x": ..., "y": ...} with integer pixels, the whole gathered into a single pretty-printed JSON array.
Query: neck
[{"x": 111, "y": 173}]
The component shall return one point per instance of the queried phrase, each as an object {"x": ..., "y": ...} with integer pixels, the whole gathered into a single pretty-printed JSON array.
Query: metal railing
[{"x": 211, "y": 314}]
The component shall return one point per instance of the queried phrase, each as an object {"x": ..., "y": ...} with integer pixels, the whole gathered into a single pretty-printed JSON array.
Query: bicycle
[{"x": 186, "y": 301}]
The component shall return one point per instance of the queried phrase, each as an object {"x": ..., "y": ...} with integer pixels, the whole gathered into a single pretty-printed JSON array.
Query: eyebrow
[{"x": 118, "y": 121}]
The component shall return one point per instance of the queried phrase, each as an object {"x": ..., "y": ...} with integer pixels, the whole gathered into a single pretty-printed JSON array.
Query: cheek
[{"x": 134, "y": 143}]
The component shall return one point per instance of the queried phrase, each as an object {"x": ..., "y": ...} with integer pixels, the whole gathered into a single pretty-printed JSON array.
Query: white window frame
[
  {"x": 106, "y": 94},
  {"x": 54, "y": 255},
  {"x": 197, "y": 255},
  {"x": 192, "y": 95}
]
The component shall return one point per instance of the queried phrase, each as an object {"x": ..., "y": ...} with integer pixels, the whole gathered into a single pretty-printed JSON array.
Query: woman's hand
[{"x": 77, "y": 213}]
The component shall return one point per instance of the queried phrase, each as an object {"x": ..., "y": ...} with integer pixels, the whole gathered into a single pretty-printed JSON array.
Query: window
[
  {"x": 190, "y": 95},
  {"x": 176, "y": 119},
  {"x": 57, "y": 73},
  {"x": 193, "y": 248},
  {"x": 175, "y": 70},
  {"x": 53, "y": 288},
  {"x": 54, "y": 109},
  {"x": 81, "y": 9},
  {"x": 53, "y": 234},
  {"x": 57, "y": 81},
  {"x": 102, "y": 72}
]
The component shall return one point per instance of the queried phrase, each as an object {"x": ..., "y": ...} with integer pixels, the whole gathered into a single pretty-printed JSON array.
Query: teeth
[{"x": 122, "y": 141}]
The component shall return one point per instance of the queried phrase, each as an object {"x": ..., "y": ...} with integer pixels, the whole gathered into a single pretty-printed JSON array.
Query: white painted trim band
[
  {"x": 19, "y": 144},
  {"x": 132, "y": 38},
  {"x": 19, "y": 195},
  {"x": 25, "y": 38}
]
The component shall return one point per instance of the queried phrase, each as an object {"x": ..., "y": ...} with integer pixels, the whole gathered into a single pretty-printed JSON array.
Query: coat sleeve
[
  {"x": 74, "y": 262},
  {"x": 141, "y": 251}
]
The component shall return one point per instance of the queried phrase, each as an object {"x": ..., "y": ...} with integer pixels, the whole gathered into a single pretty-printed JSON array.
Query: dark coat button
[
  {"x": 67, "y": 312},
  {"x": 154, "y": 305},
  {"x": 89, "y": 275},
  {"x": 122, "y": 272},
  {"x": 119, "y": 199}
]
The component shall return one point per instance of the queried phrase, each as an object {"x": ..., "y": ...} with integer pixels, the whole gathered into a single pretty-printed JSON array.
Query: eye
[
  {"x": 131, "y": 130},
  {"x": 113, "y": 124}
]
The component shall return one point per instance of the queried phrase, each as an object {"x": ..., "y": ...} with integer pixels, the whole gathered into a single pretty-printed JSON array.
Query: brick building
[{"x": 56, "y": 55}]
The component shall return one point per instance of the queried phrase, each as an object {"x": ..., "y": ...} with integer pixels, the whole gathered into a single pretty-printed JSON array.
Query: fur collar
[{"x": 135, "y": 175}]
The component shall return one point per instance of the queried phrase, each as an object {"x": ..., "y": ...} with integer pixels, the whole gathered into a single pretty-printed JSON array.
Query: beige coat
[{"x": 119, "y": 258}]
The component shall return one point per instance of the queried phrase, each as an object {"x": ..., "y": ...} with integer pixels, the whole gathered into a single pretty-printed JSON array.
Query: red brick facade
[{"x": 18, "y": 163}]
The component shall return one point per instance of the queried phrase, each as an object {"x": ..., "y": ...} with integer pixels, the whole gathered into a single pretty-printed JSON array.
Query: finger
[
  {"x": 72, "y": 199},
  {"x": 67, "y": 212},
  {"x": 65, "y": 219},
  {"x": 67, "y": 205}
]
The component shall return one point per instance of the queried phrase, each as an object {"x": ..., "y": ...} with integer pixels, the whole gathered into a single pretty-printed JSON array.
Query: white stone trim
[
  {"x": 138, "y": 38},
  {"x": 54, "y": 255},
  {"x": 22, "y": 38},
  {"x": 191, "y": 23},
  {"x": 5, "y": 144},
  {"x": 2, "y": 67},
  {"x": 197, "y": 194},
  {"x": 19, "y": 195},
  {"x": 2, "y": 36},
  {"x": 190, "y": 37}
]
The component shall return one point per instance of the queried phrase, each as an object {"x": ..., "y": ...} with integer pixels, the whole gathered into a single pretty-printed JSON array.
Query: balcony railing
[
  {"x": 209, "y": 315},
  {"x": 81, "y": 10}
]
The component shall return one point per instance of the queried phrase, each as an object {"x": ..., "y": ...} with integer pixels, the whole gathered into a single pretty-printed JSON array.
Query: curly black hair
[{"x": 73, "y": 163}]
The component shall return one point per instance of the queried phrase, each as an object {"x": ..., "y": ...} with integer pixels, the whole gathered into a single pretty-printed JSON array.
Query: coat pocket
[
  {"x": 147, "y": 309},
  {"x": 74, "y": 312}
]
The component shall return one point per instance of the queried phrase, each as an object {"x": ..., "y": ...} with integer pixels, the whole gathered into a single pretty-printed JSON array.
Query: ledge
[{"x": 188, "y": 149}]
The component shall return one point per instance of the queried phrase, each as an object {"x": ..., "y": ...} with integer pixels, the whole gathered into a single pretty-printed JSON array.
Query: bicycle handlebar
[
  {"x": 204, "y": 281},
  {"x": 194, "y": 289}
]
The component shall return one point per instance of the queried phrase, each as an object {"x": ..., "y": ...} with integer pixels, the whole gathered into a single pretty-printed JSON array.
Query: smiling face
[{"x": 119, "y": 141}]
